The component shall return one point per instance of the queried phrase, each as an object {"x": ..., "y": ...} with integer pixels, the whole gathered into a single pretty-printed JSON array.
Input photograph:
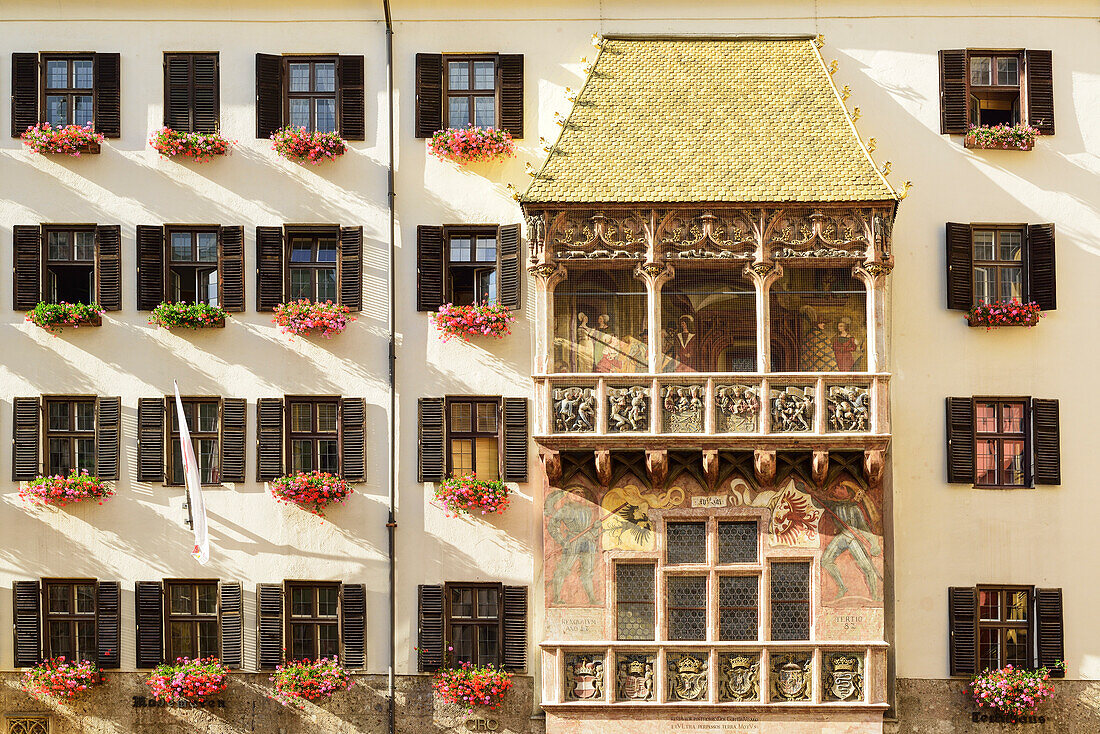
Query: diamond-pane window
[
  {"x": 635, "y": 596},
  {"x": 687, "y": 607},
  {"x": 686, "y": 542},
  {"x": 738, "y": 605},
  {"x": 790, "y": 599},
  {"x": 737, "y": 542}
]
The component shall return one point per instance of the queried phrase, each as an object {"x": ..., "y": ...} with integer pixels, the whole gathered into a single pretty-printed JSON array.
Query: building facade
[{"x": 764, "y": 476}]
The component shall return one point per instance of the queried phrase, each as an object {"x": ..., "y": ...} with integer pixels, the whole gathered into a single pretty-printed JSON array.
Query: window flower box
[
  {"x": 71, "y": 140},
  {"x": 1014, "y": 692},
  {"x": 170, "y": 315},
  {"x": 469, "y": 685},
  {"x": 302, "y": 318},
  {"x": 465, "y": 145},
  {"x": 54, "y": 316},
  {"x": 1001, "y": 137},
  {"x": 479, "y": 319},
  {"x": 469, "y": 495},
  {"x": 79, "y": 486},
  {"x": 302, "y": 146},
  {"x": 58, "y": 678},
  {"x": 188, "y": 680},
  {"x": 199, "y": 147},
  {"x": 1004, "y": 313},
  {"x": 303, "y": 680},
  {"x": 312, "y": 491}
]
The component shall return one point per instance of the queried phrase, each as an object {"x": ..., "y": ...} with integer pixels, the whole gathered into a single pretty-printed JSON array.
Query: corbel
[
  {"x": 551, "y": 465},
  {"x": 874, "y": 465},
  {"x": 820, "y": 467},
  {"x": 603, "y": 467},
  {"x": 763, "y": 463},
  {"x": 656, "y": 464},
  {"x": 710, "y": 466}
]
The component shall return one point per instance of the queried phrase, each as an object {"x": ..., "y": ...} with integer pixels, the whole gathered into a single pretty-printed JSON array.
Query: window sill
[
  {"x": 94, "y": 321},
  {"x": 218, "y": 324},
  {"x": 976, "y": 323},
  {"x": 86, "y": 149},
  {"x": 969, "y": 142}
]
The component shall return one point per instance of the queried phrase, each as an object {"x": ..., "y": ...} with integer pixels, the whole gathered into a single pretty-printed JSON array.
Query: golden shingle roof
[{"x": 708, "y": 120}]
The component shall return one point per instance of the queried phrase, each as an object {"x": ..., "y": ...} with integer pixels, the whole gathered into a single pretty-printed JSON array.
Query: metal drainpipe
[{"x": 391, "y": 522}]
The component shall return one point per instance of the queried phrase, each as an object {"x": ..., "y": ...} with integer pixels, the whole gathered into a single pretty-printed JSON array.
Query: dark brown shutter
[
  {"x": 27, "y": 247},
  {"x": 960, "y": 268},
  {"x": 269, "y": 94},
  {"x": 954, "y": 93},
  {"x": 508, "y": 271},
  {"x": 269, "y": 438},
  {"x": 28, "y": 636},
  {"x": 1048, "y": 631},
  {"x": 150, "y": 429},
  {"x": 206, "y": 98},
  {"x": 108, "y": 423},
  {"x": 960, "y": 440},
  {"x": 149, "y": 613},
  {"x": 24, "y": 93},
  {"x": 107, "y": 630},
  {"x": 232, "y": 624},
  {"x": 353, "y": 625},
  {"x": 353, "y": 443},
  {"x": 351, "y": 267},
  {"x": 432, "y": 464},
  {"x": 511, "y": 94},
  {"x": 150, "y": 277},
  {"x": 1041, "y": 267},
  {"x": 515, "y": 628},
  {"x": 269, "y": 619},
  {"x": 178, "y": 70},
  {"x": 429, "y": 94},
  {"x": 515, "y": 439},
  {"x": 962, "y": 619},
  {"x": 269, "y": 268},
  {"x": 429, "y": 268},
  {"x": 352, "y": 108},
  {"x": 1045, "y": 438},
  {"x": 429, "y": 638},
  {"x": 233, "y": 431},
  {"x": 1040, "y": 90},
  {"x": 231, "y": 268},
  {"x": 108, "y": 267},
  {"x": 26, "y": 434},
  {"x": 108, "y": 101}
]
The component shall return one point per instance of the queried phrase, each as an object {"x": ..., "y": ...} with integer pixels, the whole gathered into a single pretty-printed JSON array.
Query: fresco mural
[
  {"x": 600, "y": 322},
  {"x": 818, "y": 321}
]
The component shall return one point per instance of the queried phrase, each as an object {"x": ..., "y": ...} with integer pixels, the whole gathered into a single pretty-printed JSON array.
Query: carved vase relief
[
  {"x": 627, "y": 409},
  {"x": 792, "y": 409},
  {"x": 738, "y": 677},
  {"x": 683, "y": 408},
  {"x": 842, "y": 676},
  {"x": 738, "y": 408},
  {"x": 635, "y": 677},
  {"x": 584, "y": 677},
  {"x": 791, "y": 676},
  {"x": 687, "y": 676},
  {"x": 849, "y": 408}
]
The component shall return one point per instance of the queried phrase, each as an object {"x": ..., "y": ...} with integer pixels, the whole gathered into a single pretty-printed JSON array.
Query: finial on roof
[
  {"x": 872, "y": 143},
  {"x": 820, "y": 40},
  {"x": 833, "y": 65},
  {"x": 846, "y": 92},
  {"x": 905, "y": 189},
  {"x": 856, "y": 114},
  {"x": 886, "y": 168}
]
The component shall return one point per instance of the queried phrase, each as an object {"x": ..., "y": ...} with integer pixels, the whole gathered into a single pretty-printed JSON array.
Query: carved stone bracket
[
  {"x": 874, "y": 465},
  {"x": 763, "y": 463},
  {"x": 820, "y": 467},
  {"x": 551, "y": 465},
  {"x": 603, "y": 467},
  {"x": 656, "y": 465}
]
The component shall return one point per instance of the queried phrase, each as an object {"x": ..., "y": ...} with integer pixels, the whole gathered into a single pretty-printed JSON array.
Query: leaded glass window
[
  {"x": 635, "y": 594},
  {"x": 737, "y": 541},
  {"x": 687, "y": 607},
  {"x": 708, "y": 322},
  {"x": 601, "y": 322},
  {"x": 686, "y": 542},
  {"x": 790, "y": 600},
  {"x": 818, "y": 321},
  {"x": 738, "y": 607}
]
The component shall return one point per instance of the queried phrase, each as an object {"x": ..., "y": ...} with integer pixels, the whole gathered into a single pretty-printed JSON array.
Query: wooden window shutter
[
  {"x": 107, "y": 624},
  {"x": 24, "y": 93},
  {"x": 429, "y": 94},
  {"x": 352, "y": 100},
  {"x": 269, "y": 619},
  {"x": 433, "y": 455},
  {"x": 269, "y": 438},
  {"x": 26, "y": 437},
  {"x": 353, "y": 441},
  {"x": 106, "y": 74},
  {"x": 1045, "y": 439},
  {"x": 1039, "y": 70},
  {"x": 954, "y": 93},
  {"x": 27, "y": 256},
  {"x": 429, "y": 267},
  {"x": 515, "y": 439},
  {"x": 108, "y": 266},
  {"x": 108, "y": 423},
  {"x": 206, "y": 94},
  {"x": 960, "y": 267},
  {"x": 150, "y": 255},
  {"x": 28, "y": 636},
  {"x": 508, "y": 261},
  {"x": 353, "y": 625},
  {"x": 231, "y": 268},
  {"x": 233, "y": 432},
  {"x": 231, "y": 619},
  {"x": 429, "y": 638},
  {"x": 515, "y": 628},
  {"x": 149, "y": 612},
  {"x": 269, "y": 94},
  {"x": 960, "y": 440},
  {"x": 1041, "y": 266},
  {"x": 269, "y": 268},
  {"x": 351, "y": 267},
  {"x": 150, "y": 429},
  {"x": 178, "y": 91},
  {"x": 1050, "y": 642},
  {"x": 962, "y": 614},
  {"x": 511, "y": 94}
]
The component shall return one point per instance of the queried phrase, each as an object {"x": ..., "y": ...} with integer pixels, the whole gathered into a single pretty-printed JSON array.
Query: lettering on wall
[{"x": 480, "y": 723}]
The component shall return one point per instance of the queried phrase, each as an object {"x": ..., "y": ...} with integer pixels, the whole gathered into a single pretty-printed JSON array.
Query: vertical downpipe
[{"x": 391, "y": 521}]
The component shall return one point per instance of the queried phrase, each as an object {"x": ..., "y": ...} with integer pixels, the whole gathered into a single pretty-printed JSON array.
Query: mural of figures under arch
[
  {"x": 600, "y": 322},
  {"x": 708, "y": 321},
  {"x": 818, "y": 319}
]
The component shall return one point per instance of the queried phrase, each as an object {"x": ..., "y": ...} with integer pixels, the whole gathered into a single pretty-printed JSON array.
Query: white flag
[{"x": 191, "y": 479}]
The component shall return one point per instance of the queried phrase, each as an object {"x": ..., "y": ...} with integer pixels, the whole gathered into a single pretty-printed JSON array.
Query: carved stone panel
[
  {"x": 574, "y": 409},
  {"x": 738, "y": 408},
  {"x": 634, "y": 678},
  {"x": 687, "y": 676},
  {"x": 739, "y": 677},
  {"x": 584, "y": 677},
  {"x": 842, "y": 676},
  {"x": 849, "y": 408},
  {"x": 627, "y": 409},
  {"x": 791, "y": 676},
  {"x": 792, "y": 409},
  {"x": 683, "y": 408}
]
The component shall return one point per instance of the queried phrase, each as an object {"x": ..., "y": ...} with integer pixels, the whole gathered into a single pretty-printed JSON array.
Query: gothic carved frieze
[
  {"x": 792, "y": 409},
  {"x": 574, "y": 409},
  {"x": 848, "y": 230},
  {"x": 738, "y": 408},
  {"x": 693, "y": 236},
  {"x": 628, "y": 408},
  {"x": 739, "y": 677},
  {"x": 683, "y": 408},
  {"x": 849, "y": 408},
  {"x": 585, "y": 235}
]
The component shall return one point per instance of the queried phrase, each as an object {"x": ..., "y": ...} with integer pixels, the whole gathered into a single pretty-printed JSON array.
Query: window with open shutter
[
  {"x": 351, "y": 267},
  {"x": 28, "y": 636},
  {"x": 353, "y": 414},
  {"x": 107, "y": 624},
  {"x": 231, "y": 622},
  {"x": 269, "y": 268},
  {"x": 432, "y": 464},
  {"x": 150, "y": 427},
  {"x": 1050, "y": 643},
  {"x": 24, "y": 92},
  {"x": 1041, "y": 266},
  {"x": 231, "y": 268},
  {"x": 269, "y": 619},
  {"x": 108, "y": 100},
  {"x": 515, "y": 439},
  {"x": 269, "y": 94},
  {"x": 108, "y": 267},
  {"x": 269, "y": 438},
  {"x": 26, "y": 430},
  {"x": 508, "y": 266},
  {"x": 352, "y": 99},
  {"x": 1046, "y": 440},
  {"x": 429, "y": 268},
  {"x": 1040, "y": 90},
  {"x": 962, "y": 611},
  {"x": 429, "y": 647},
  {"x": 515, "y": 628},
  {"x": 429, "y": 94},
  {"x": 353, "y": 625},
  {"x": 511, "y": 93},
  {"x": 960, "y": 276},
  {"x": 232, "y": 443},
  {"x": 191, "y": 92},
  {"x": 27, "y": 256},
  {"x": 149, "y": 615},
  {"x": 954, "y": 92},
  {"x": 960, "y": 440}
]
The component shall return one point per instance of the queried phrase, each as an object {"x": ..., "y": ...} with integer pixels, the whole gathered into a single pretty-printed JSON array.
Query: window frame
[
  {"x": 68, "y": 92},
  {"x": 45, "y": 262},
  {"x": 194, "y": 618},
  {"x": 1022, "y": 264},
  {"x": 473, "y": 231},
  {"x": 1000, "y": 437},
  {"x": 314, "y": 435},
  {"x": 1029, "y": 625},
  {"x": 314, "y": 234},
  {"x": 72, "y": 617},
  {"x": 194, "y": 263},
  {"x": 1020, "y": 110},
  {"x": 71, "y": 433},
  {"x": 314, "y": 620},
  {"x": 472, "y": 435},
  {"x": 312, "y": 95},
  {"x": 470, "y": 93},
  {"x": 172, "y": 434},
  {"x": 450, "y": 621}
]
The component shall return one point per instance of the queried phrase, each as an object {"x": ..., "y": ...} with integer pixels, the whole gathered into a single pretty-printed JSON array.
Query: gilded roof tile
[{"x": 722, "y": 120}]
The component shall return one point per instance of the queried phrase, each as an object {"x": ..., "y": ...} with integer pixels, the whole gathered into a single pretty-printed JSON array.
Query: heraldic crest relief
[
  {"x": 791, "y": 677},
  {"x": 843, "y": 676},
  {"x": 635, "y": 678},
  {"x": 583, "y": 678},
  {"x": 687, "y": 676},
  {"x": 739, "y": 678}
]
